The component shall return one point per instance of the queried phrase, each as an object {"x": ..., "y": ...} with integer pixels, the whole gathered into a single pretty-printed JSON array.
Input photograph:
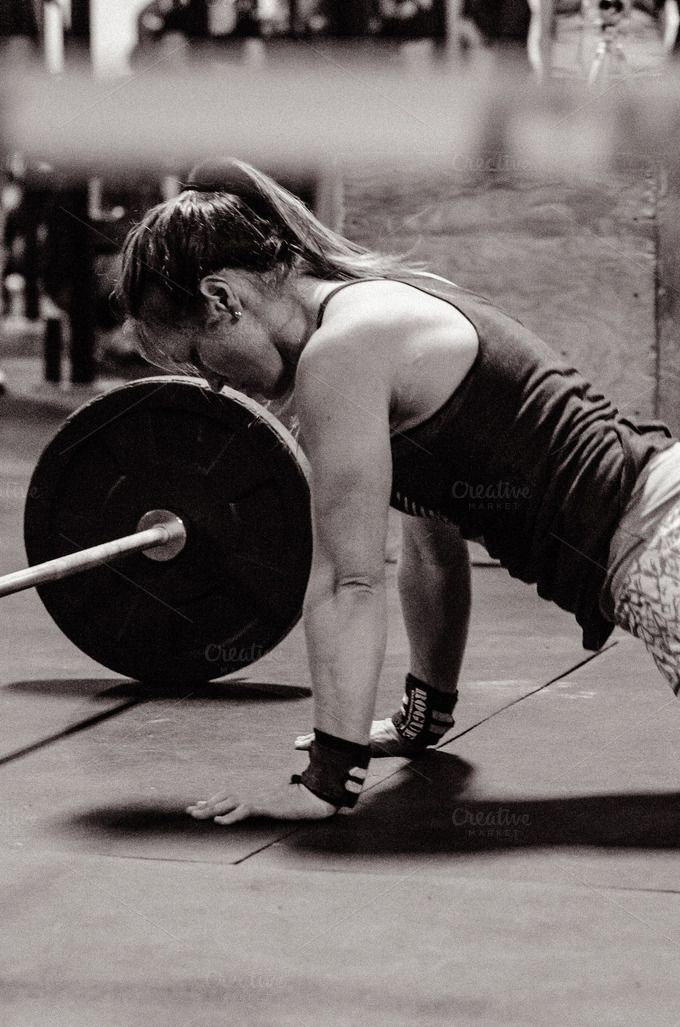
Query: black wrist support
[
  {"x": 425, "y": 714},
  {"x": 336, "y": 771}
]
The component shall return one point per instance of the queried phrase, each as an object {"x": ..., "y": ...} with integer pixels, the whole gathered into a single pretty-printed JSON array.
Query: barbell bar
[{"x": 160, "y": 535}]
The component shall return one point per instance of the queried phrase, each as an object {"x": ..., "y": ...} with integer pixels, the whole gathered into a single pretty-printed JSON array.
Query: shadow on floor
[
  {"x": 98, "y": 689},
  {"x": 158, "y": 821},
  {"x": 428, "y": 813},
  {"x": 106, "y": 689}
]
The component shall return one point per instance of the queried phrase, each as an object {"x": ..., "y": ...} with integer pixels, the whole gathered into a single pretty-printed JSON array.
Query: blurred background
[{"x": 524, "y": 148}]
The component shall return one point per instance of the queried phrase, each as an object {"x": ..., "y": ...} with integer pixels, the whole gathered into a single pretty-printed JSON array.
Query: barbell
[{"x": 168, "y": 531}]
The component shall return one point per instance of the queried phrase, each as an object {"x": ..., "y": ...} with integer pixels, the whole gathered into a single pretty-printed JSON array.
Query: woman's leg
[{"x": 647, "y": 601}]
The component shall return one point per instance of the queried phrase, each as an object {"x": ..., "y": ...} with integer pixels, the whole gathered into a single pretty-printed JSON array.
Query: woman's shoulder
[
  {"x": 382, "y": 337},
  {"x": 378, "y": 329},
  {"x": 354, "y": 344},
  {"x": 387, "y": 307},
  {"x": 369, "y": 299}
]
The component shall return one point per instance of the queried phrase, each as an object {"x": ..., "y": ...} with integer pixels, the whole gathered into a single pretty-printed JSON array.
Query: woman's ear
[{"x": 220, "y": 299}]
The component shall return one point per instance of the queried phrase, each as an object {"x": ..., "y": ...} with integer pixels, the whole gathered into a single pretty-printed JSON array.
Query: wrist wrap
[
  {"x": 336, "y": 771},
  {"x": 425, "y": 713}
]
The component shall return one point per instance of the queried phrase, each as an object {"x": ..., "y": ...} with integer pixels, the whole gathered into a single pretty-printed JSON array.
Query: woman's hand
[{"x": 286, "y": 802}]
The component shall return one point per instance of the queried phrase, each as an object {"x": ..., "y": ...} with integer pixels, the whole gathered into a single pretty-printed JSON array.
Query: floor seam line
[
  {"x": 268, "y": 845},
  {"x": 527, "y": 695},
  {"x": 72, "y": 729}
]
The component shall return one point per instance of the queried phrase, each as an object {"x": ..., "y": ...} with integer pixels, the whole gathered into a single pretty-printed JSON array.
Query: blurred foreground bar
[{"x": 293, "y": 116}]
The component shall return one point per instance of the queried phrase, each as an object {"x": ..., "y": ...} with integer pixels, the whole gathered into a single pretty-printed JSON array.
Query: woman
[{"x": 412, "y": 392}]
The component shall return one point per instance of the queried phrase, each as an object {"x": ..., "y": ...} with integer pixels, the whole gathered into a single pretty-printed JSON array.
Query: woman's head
[
  {"x": 229, "y": 217},
  {"x": 168, "y": 254}
]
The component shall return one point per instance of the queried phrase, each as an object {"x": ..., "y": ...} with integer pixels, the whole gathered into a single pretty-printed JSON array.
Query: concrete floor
[{"x": 524, "y": 874}]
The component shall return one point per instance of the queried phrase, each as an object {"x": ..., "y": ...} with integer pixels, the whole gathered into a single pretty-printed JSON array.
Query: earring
[{"x": 236, "y": 314}]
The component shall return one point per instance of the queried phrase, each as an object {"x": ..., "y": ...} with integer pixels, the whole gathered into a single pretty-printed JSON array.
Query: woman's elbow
[
  {"x": 324, "y": 587},
  {"x": 364, "y": 583}
]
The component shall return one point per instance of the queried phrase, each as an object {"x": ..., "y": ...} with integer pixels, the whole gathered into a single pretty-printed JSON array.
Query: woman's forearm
[
  {"x": 435, "y": 599},
  {"x": 346, "y": 631}
]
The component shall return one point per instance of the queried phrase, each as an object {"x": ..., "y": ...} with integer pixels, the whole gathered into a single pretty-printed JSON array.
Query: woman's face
[
  {"x": 242, "y": 331},
  {"x": 239, "y": 353}
]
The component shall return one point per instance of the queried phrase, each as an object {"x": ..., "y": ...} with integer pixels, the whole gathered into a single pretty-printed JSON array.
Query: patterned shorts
[{"x": 648, "y": 600}]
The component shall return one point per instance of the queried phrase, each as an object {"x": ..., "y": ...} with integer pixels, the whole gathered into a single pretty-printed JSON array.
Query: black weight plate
[{"x": 238, "y": 481}]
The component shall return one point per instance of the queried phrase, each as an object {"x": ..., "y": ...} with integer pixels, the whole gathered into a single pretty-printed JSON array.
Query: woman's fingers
[
  {"x": 304, "y": 741},
  {"x": 242, "y": 812},
  {"x": 218, "y": 805},
  {"x": 386, "y": 741},
  {"x": 291, "y": 801}
]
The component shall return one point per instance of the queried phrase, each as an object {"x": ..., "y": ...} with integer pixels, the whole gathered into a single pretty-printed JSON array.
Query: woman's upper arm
[{"x": 343, "y": 408}]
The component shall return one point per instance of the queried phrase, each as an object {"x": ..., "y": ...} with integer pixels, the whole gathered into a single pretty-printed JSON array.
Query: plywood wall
[{"x": 576, "y": 262}]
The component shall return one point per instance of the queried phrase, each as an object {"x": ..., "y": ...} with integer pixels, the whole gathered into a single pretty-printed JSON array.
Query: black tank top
[{"x": 526, "y": 457}]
